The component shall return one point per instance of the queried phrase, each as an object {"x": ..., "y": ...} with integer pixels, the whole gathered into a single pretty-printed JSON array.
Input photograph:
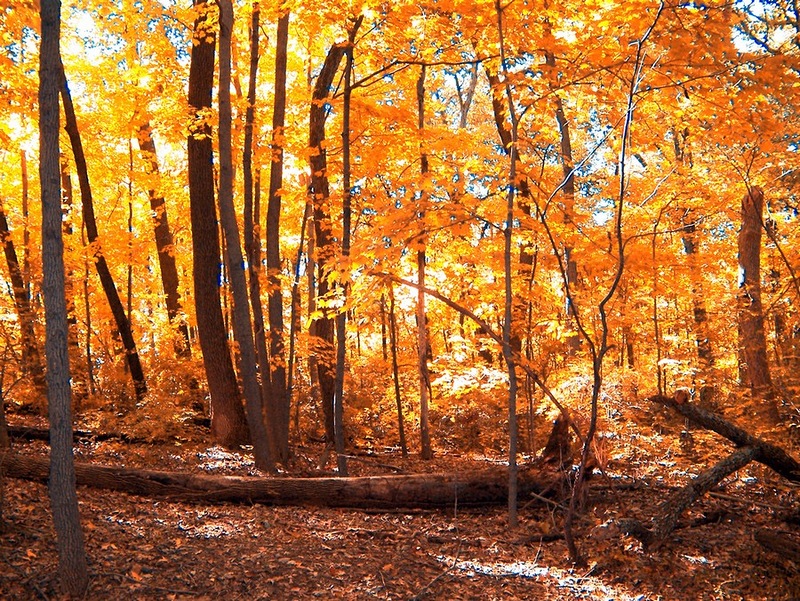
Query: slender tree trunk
[
  {"x": 396, "y": 371},
  {"x": 103, "y": 271},
  {"x": 72, "y": 567},
  {"x": 279, "y": 398},
  {"x": 252, "y": 237},
  {"x": 294, "y": 319},
  {"x": 751, "y": 316},
  {"x": 508, "y": 350},
  {"x": 228, "y": 426},
  {"x": 321, "y": 330},
  {"x": 242, "y": 324},
  {"x": 344, "y": 279},
  {"x": 31, "y": 357},
  {"x": 422, "y": 321},
  {"x": 165, "y": 244}
]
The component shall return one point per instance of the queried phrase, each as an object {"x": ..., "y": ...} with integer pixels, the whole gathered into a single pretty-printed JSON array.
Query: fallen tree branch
[
  {"x": 673, "y": 507},
  {"x": 484, "y": 487},
  {"x": 769, "y": 454}
]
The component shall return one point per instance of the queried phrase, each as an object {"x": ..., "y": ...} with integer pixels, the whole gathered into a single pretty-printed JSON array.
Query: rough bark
[
  {"x": 165, "y": 245},
  {"x": 751, "y": 314},
  {"x": 228, "y": 426},
  {"x": 252, "y": 232},
  {"x": 321, "y": 330},
  {"x": 769, "y": 454},
  {"x": 90, "y": 223},
  {"x": 370, "y": 492},
  {"x": 60, "y": 469},
  {"x": 242, "y": 319},
  {"x": 278, "y": 400},
  {"x": 344, "y": 280}
]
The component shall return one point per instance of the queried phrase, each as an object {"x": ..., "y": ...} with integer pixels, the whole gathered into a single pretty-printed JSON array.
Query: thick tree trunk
[
  {"x": 370, "y": 492},
  {"x": 60, "y": 470},
  {"x": 165, "y": 245},
  {"x": 103, "y": 271},
  {"x": 751, "y": 316},
  {"x": 228, "y": 426}
]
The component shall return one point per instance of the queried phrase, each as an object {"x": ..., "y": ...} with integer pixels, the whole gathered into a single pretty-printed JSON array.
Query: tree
[
  {"x": 165, "y": 244},
  {"x": 751, "y": 315},
  {"x": 423, "y": 344},
  {"x": 242, "y": 322},
  {"x": 321, "y": 329},
  {"x": 279, "y": 397},
  {"x": 228, "y": 425},
  {"x": 90, "y": 223},
  {"x": 32, "y": 361},
  {"x": 72, "y": 568}
]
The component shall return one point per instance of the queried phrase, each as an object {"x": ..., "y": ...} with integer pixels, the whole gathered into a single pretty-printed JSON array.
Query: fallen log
[
  {"x": 769, "y": 454},
  {"x": 673, "y": 507},
  {"x": 484, "y": 487}
]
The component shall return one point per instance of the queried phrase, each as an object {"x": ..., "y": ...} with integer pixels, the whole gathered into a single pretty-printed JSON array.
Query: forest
[{"x": 400, "y": 300}]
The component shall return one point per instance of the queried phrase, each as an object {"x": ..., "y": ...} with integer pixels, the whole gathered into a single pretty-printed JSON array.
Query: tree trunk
[
  {"x": 344, "y": 279},
  {"x": 278, "y": 400},
  {"x": 31, "y": 357},
  {"x": 252, "y": 237},
  {"x": 103, "y": 271},
  {"x": 242, "y": 323},
  {"x": 423, "y": 343},
  {"x": 508, "y": 315},
  {"x": 72, "y": 567},
  {"x": 321, "y": 330},
  {"x": 396, "y": 371},
  {"x": 751, "y": 316},
  {"x": 475, "y": 488},
  {"x": 165, "y": 245},
  {"x": 228, "y": 426}
]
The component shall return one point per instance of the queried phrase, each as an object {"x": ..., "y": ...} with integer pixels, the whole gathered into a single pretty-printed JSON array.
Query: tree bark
[
  {"x": 252, "y": 236},
  {"x": 165, "y": 245},
  {"x": 321, "y": 330},
  {"x": 751, "y": 316},
  {"x": 423, "y": 344},
  {"x": 90, "y": 223},
  {"x": 343, "y": 282},
  {"x": 396, "y": 371},
  {"x": 72, "y": 566},
  {"x": 475, "y": 488},
  {"x": 32, "y": 359},
  {"x": 278, "y": 400},
  {"x": 242, "y": 322},
  {"x": 228, "y": 426}
]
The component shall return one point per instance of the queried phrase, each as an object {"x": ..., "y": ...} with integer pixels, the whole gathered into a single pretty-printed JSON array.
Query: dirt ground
[{"x": 141, "y": 548}]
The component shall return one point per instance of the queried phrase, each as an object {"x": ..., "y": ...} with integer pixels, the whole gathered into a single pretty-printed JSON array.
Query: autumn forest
[{"x": 536, "y": 244}]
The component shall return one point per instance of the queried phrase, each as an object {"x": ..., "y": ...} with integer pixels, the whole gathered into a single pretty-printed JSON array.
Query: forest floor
[{"x": 142, "y": 548}]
